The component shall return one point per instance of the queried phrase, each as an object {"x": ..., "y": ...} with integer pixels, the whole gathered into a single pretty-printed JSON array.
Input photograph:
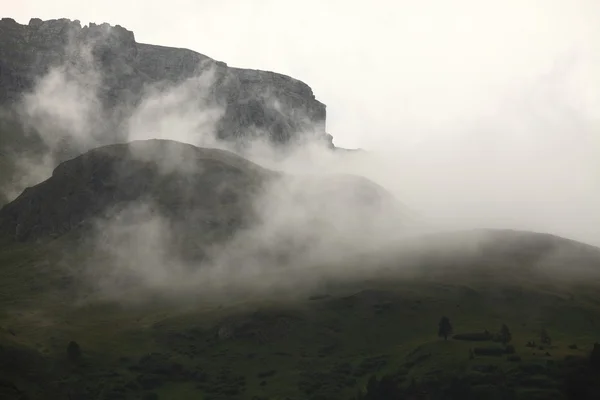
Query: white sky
[{"x": 490, "y": 109}]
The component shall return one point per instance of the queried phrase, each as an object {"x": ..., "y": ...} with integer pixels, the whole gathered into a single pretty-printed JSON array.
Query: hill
[
  {"x": 158, "y": 269},
  {"x": 325, "y": 340},
  {"x": 204, "y": 195},
  {"x": 193, "y": 185}
]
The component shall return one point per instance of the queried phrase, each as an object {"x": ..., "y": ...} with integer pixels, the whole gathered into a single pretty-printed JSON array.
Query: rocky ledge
[{"x": 278, "y": 106}]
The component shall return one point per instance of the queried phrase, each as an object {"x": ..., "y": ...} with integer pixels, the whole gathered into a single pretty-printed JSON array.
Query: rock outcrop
[
  {"x": 203, "y": 195},
  {"x": 275, "y": 105},
  {"x": 197, "y": 190}
]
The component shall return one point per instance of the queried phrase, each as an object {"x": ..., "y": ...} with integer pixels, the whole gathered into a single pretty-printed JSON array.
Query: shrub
[
  {"x": 73, "y": 352},
  {"x": 595, "y": 356},
  {"x": 489, "y": 351},
  {"x": 444, "y": 328},
  {"x": 504, "y": 335},
  {"x": 149, "y": 382},
  {"x": 266, "y": 374},
  {"x": 545, "y": 338}
]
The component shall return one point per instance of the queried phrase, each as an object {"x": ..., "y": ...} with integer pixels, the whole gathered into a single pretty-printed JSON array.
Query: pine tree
[
  {"x": 595, "y": 356},
  {"x": 73, "y": 352},
  {"x": 444, "y": 328},
  {"x": 545, "y": 338},
  {"x": 505, "y": 335}
]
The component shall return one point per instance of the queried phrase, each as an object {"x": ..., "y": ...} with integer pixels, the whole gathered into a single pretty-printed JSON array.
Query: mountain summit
[{"x": 278, "y": 105}]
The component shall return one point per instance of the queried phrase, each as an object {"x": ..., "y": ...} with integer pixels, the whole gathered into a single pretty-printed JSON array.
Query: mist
[{"x": 468, "y": 121}]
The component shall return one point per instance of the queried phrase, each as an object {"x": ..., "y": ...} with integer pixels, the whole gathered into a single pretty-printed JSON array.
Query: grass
[{"x": 325, "y": 347}]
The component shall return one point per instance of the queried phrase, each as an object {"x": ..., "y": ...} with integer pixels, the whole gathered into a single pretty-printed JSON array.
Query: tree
[
  {"x": 504, "y": 335},
  {"x": 73, "y": 352},
  {"x": 545, "y": 338},
  {"x": 595, "y": 356},
  {"x": 385, "y": 388},
  {"x": 444, "y": 328}
]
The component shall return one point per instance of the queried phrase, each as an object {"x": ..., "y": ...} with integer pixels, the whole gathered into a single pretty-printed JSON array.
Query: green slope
[
  {"x": 322, "y": 345},
  {"x": 372, "y": 314}
]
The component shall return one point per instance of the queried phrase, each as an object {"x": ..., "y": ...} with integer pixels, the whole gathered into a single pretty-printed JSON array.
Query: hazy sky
[
  {"x": 488, "y": 110},
  {"x": 387, "y": 70}
]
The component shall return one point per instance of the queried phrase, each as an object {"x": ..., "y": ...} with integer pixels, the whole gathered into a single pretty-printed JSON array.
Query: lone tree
[
  {"x": 384, "y": 389},
  {"x": 504, "y": 335},
  {"x": 595, "y": 356},
  {"x": 545, "y": 338},
  {"x": 445, "y": 328},
  {"x": 73, "y": 352}
]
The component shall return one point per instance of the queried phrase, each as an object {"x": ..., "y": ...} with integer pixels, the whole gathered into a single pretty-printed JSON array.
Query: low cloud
[
  {"x": 528, "y": 162},
  {"x": 186, "y": 112}
]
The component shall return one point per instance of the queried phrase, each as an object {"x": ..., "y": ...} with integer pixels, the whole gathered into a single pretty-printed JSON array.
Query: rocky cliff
[{"x": 273, "y": 104}]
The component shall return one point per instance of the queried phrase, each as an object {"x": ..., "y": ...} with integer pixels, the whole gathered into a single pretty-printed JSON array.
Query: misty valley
[{"x": 175, "y": 228}]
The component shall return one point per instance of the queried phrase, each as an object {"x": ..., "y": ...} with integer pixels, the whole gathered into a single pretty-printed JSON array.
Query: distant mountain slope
[
  {"x": 327, "y": 342},
  {"x": 502, "y": 253}
]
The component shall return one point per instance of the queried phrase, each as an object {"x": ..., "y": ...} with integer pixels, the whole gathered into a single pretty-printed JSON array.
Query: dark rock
[{"x": 278, "y": 105}]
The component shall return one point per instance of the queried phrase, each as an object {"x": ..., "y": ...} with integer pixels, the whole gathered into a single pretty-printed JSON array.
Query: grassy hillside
[
  {"x": 361, "y": 318},
  {"x": 324, "y": 344}
]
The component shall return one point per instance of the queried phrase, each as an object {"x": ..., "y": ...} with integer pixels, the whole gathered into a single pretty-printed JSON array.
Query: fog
[{"x": 474, "y": 115}]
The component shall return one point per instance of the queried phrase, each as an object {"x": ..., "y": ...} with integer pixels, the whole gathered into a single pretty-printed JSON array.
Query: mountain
[
  {"x": 205, "y": 195},
  {"x": 65, "y": 89},
  {"x": 156, "y": 269},
  {"x": 325, "y": 341},
  {"x": 126, "y": 67},
  {"x": 123, "y": 319}
]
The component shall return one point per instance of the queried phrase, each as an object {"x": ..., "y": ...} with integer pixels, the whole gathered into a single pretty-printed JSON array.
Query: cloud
[
  {"x": 306, "y": 230},
  {"x": 60, "y": 115},
  {"x": 474, "y": 115},
  {"x": 63, "y": 107},
  {"x": 186, "y": 112},
  {"x": 65, "y": 112}
]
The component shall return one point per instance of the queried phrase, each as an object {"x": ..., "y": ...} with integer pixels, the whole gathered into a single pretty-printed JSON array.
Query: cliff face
[{"x": 277, "y": 105}]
